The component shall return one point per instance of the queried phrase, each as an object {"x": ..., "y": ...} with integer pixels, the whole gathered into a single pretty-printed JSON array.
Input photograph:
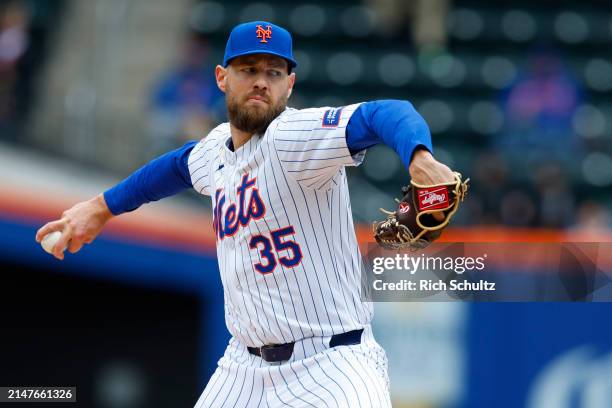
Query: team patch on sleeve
[{"x": 331, "y": 117}]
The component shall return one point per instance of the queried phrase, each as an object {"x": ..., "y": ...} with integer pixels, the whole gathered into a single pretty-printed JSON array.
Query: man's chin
[
  {"x": 257, "y": 112},
  {"x": 253, "y": 115},
  {"x": 258, "y": 108}
]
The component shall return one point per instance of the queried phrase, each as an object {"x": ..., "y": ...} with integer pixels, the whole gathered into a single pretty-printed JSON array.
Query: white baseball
[{"x": 49, "y": 241}]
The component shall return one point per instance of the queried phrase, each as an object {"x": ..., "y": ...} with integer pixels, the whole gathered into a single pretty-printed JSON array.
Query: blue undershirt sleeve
[
  {"x": 393, "y": 122},
  {"x": 162, "y": 177}
]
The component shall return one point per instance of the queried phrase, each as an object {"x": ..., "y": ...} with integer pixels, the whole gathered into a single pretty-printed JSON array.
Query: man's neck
[{"x": 239, "y": 137}]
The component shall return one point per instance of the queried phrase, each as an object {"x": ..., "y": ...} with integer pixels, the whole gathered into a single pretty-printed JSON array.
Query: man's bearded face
[
  {"x": 256, "y": 91},
  {"x": 254, "y": 111}
]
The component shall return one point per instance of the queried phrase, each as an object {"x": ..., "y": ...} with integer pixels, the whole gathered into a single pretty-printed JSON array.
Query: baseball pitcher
[{"x": 286, "y": 245}]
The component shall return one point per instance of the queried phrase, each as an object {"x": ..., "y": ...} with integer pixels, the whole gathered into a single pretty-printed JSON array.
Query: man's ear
[
  {"x": 291, "y": 83},
  {"x": 221, "y": 76}
]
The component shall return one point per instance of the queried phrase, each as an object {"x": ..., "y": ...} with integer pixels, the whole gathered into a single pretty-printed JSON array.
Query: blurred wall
[
  {"x": 120, "y": 345},
  {"x": 106, "y": 57}
]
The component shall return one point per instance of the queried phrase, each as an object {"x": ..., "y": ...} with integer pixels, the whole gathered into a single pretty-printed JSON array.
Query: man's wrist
[
  {"x": 102, "y": 207},
  {"x": 419, "y": 154}
]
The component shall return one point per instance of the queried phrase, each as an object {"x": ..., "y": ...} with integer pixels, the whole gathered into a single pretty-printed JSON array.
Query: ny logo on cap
[{"x": 264, "y": 34}]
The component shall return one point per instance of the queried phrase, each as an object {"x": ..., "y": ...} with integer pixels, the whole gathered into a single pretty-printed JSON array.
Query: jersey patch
[{"x": 331, "y": 117}]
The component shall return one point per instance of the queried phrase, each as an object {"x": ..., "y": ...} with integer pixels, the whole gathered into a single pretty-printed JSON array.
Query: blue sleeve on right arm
[
  {"x": 165, "y": 176},
  {"x": 393, "y": 122}
]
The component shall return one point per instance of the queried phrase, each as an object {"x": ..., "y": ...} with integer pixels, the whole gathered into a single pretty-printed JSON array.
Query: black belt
[{"x": 282, "y": 352}]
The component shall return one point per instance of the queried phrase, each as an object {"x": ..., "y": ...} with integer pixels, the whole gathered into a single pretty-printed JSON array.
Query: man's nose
[{"x": 261, "y": 82}]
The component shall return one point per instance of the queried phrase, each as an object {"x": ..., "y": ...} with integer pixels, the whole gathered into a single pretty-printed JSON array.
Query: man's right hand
[{"x": 79, "y": 225}]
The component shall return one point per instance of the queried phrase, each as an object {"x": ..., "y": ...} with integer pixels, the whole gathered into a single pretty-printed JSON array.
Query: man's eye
[{"x": 275, "y": 73}]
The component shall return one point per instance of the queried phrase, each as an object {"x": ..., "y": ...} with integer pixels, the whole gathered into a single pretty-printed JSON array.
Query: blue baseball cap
[{"x": 259, "y": 37}]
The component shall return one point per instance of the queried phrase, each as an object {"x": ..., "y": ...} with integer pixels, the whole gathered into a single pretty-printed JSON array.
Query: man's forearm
[
  {"x": 163, "y": 177},
  {"x": 393, "y": 122}
]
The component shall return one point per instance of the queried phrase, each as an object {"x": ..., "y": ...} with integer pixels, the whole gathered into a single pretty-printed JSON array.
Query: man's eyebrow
[
  {"x": 247, "y": 61},
  {"x": 277, "y": 64}
]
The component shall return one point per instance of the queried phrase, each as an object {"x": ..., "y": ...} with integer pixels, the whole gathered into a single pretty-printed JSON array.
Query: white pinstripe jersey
[{"x": 287, "y": 251}]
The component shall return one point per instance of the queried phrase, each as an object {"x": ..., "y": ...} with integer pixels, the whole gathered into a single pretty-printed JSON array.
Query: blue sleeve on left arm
[
  {"x": 165, "y": 176},
  {"x": 393, "y": 122}
]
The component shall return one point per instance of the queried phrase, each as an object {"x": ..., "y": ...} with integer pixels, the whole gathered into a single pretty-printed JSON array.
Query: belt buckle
[
  {"x": 263, "y": 352},
  {"x": 276, "y": 353},
  {"x": 260, "y": 350}
]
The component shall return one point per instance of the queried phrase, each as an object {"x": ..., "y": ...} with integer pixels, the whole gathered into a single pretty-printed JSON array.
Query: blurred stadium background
[{"x": 517, "y": 95}]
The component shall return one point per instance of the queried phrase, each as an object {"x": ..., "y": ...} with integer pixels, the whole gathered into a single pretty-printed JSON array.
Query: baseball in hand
[{"x": 49, "y": 241}]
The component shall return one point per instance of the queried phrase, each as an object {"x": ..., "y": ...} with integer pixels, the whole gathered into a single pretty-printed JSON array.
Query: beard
[{"x": 254, "y": 118}]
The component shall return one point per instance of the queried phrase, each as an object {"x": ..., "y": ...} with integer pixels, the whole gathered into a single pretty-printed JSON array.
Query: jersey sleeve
[
  {"x": 311, "y": 144},
  {"x": 199, "y": 163},
  {"x": 163, "y": 177}
]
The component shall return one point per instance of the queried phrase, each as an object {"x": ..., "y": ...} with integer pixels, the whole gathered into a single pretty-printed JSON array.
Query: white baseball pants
[{"x": 352, "y": 376}]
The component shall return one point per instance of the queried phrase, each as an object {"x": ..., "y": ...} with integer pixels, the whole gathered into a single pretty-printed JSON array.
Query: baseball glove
[{"x": 412, "y": 224}]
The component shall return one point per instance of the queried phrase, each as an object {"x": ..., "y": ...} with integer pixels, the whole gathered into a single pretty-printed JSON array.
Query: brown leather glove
[{"x": 412, "y": 225}]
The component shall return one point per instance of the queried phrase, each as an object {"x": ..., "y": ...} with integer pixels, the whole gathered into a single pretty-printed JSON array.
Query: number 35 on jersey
[{"x": 277, "y": 248}]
